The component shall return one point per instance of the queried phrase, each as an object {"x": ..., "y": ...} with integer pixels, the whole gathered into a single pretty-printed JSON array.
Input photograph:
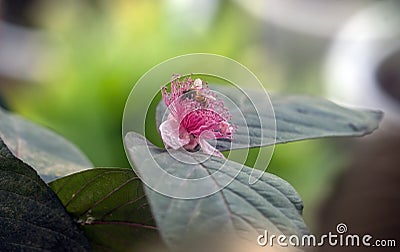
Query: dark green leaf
[
  {"x": 297, "y": 118},
  {"x": 241, "y": 208},
  {"x": 111, "y": 206},
  {"x": 49, "y": 154},
  {"x": 31, "y": 216}
]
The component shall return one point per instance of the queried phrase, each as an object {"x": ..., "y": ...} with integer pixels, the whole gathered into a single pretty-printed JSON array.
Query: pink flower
[{"x": 196, "y": 115}]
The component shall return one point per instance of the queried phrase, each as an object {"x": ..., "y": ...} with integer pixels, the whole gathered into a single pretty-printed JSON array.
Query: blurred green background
[{"x": 75, "y": 63}]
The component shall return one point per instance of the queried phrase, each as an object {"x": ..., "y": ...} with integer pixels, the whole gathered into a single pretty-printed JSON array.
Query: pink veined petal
[
  {"x": 209, "y": 149},
  {"x": 201, "y": 120},
  {"x": 170, "y": 134}
]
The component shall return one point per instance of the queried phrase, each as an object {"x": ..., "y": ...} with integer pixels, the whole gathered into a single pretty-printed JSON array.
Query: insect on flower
[
  {"x": 195, "y": 92},
  {"x": 196, "y": 115}
]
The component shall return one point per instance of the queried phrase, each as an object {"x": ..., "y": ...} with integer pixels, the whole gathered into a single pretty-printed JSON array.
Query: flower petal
[
  {"x": 209, "y": 149},
  {"x": 170, "y": 134}
]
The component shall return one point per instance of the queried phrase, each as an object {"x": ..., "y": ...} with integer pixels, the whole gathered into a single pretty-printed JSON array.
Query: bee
[
  {"x": 201, "y": 98},
  {"x": 194, "y": 93}
]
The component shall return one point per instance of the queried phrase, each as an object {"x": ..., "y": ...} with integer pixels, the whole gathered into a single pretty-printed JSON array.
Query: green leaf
[
  {"x": 31, "y": 216},
  {"x": 239, "y": 208},
  {"x": 51, "y": 155},
  {"x": 111, "y": 206},
  {"x": 297, "y": 118}
]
